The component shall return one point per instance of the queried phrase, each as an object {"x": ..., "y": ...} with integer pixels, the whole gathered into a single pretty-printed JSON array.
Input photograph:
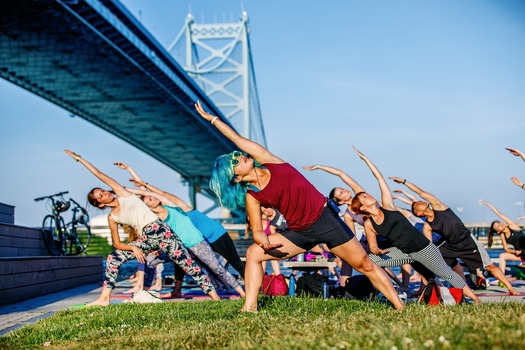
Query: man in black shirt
[{"x": 459, "y": 242}]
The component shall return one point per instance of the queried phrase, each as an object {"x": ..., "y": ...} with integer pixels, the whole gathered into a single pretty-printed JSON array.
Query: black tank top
[
  {"x": 400, "y": 231},
  {"x": 449, "y": 225},
  {"x": 516, "y": 239}
]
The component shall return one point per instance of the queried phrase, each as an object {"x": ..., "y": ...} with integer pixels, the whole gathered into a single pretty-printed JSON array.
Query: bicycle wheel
[
  {"x": 53, "y": 234},
  {"x": 77, "y": 238}
]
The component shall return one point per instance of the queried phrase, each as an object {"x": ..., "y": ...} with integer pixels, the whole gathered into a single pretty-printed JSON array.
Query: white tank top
[{"x": 135, "y": 213}]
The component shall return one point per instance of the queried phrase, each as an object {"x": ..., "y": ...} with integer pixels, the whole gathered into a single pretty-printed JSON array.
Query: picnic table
[{"x": 309, "y": 266}]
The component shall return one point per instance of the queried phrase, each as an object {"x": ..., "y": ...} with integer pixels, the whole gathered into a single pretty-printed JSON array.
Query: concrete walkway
[{"x": 30, "y": 311}]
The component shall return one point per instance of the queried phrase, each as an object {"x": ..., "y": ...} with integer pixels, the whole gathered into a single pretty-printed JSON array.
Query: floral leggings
[
  {"x": 205, "y": 257},
  {"x": 155, "y": 236}
]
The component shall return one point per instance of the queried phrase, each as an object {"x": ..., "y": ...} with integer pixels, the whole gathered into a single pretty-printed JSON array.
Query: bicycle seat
[{"x": 62, "y": 206}]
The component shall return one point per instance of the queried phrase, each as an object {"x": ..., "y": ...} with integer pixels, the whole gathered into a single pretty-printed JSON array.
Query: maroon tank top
[{"x": 292, "y": 194}]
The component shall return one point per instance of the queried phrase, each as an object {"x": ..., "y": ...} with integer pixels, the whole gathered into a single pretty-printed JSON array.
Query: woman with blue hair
[{"x": 254, "y": 178}]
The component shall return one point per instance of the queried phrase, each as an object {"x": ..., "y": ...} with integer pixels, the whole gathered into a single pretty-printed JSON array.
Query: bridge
[{"x": 93, "y": 58}]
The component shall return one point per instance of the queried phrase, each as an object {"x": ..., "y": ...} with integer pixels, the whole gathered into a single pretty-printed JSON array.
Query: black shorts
[
  {"x": 469, "y": 250},
  {"x": 328, "y": 229}
]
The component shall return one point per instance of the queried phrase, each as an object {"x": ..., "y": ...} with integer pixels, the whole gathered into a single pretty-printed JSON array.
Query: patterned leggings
[
  {"x": 157, "y": 235},
  {"x": 207, "y": 259}
]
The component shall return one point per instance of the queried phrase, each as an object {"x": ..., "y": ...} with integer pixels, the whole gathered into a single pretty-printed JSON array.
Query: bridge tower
[{"x": 218, "y": 58}]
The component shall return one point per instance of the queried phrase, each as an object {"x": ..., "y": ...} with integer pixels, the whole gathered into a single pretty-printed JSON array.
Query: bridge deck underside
[{"x": 82, "y": 63}]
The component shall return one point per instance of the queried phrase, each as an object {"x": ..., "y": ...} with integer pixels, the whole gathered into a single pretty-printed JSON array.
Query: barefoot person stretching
[
  {"x": 154, "y": 234},
  {"x": 262, "y": 179},
  {"x": 459, "y": 242},
  {"x": 387, "y": 221}
]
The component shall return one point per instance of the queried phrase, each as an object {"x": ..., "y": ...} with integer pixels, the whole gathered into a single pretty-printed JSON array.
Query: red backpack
[{"x": 435, "y": 295}]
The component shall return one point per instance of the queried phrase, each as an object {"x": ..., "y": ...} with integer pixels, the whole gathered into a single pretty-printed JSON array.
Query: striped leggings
[
  {"x": 155, "y": 236},
  {"x": 431, "y": 258},
  {"x": 393, "y": 258}
]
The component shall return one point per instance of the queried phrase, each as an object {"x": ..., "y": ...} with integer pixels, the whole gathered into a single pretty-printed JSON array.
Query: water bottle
[
  {"x": 291, "y": 286},
  {"x": 326, "y": 290},
  {"x": 300, "y": 257}
]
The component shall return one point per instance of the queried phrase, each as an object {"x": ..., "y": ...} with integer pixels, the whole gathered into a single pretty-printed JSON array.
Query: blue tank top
[
  {"x": 210, "y": 229},
  {"x": 183, "y": 227}
]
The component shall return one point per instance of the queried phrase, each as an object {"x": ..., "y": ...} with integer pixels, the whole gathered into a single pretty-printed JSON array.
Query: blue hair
[{"x": 232, "y": 195}]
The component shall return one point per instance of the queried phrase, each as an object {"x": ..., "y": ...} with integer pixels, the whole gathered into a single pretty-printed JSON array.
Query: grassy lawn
[{"x": 282, "y": 323}]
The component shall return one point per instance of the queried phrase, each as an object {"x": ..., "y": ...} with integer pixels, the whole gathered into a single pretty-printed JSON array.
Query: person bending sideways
[{"x": 254, "y": 177}]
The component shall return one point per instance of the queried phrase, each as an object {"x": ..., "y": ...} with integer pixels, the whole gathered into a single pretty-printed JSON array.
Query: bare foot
[
  {"x": 513, "y": 292},
  {"x": 131, "y": 291},
  {"x": 99, "y": 302},
  {"x": 156, "y": 286},
  {"x": 171, "y": 295},
  {"x": 252, "y": 308}
]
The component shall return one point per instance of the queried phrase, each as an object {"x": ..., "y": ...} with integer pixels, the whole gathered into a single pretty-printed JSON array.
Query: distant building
[{"x": 99, "y": 227}]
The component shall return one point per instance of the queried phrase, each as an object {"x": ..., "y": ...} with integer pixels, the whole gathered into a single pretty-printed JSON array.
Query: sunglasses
[{"x": 234, "y": 160}]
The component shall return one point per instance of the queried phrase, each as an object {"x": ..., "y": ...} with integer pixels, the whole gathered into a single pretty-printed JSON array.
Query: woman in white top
[{"x": 154, "y": 234}]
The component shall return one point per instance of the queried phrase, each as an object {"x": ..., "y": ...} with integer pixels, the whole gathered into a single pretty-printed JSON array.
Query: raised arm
[
  {"x": 115, "y": 186},
  {"x": 337, "y": 172},
  {"x": 516, "y": 152},
  {"x": 404, "y": 200},
  {"x": 258, "y": 152},
  {"x": 163, "y": 199},
  {"x": 137, "y": 181},
  {"x": 411, "y": 197},
  {"x": 518, "y": 182},
  {"x": 169, "y": 196},
  {"x": 512, "y": 225},
  {"x": 132, "y": 172},
  {"x": 387, "y": 201},
  {"x": 429, "y": 197}
]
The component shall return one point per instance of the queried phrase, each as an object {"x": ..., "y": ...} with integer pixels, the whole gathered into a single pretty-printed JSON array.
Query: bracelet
[
  {"x": 77, "y": 158},
  {"x": 405, "y": 180},
  {"x": 522, "y": 186},
  {"x": 145, "y": 184},
  {"x": 213, "y": 120}
]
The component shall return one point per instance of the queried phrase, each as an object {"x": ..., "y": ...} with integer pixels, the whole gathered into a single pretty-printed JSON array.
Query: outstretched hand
[
  {"x": 396, "y": 180},
  {"x": 310, "y": 167},
  {"x": 121, "y": 165},
  {"x": 270, "y": 246},
  {"x": 137, "y": 183},
  {"x": 72, "y": 154},
  {"x": 514, "y": 151},
  {"x": 482, "y": 202},
  {"x": 202, "y": 112},
  {"x": 516, "y": 181},
  {"x": 361, "y": 155}
]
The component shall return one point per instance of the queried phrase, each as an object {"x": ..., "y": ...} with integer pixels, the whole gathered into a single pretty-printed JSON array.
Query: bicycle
[{"x": 61, "y": 238}]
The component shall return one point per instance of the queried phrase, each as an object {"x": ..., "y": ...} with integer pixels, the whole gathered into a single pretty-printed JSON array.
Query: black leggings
[{"x": 225, "y": 247}]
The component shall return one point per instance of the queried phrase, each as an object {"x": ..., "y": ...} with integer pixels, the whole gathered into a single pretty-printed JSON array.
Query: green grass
[{"x": 281, "y": 323}]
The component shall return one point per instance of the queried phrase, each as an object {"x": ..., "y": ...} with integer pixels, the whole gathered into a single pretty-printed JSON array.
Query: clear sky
[{"x": 431, "y": 91}]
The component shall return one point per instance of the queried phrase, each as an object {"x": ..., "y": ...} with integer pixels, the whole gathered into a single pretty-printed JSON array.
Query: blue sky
[{"x": 431, "y": 91}]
